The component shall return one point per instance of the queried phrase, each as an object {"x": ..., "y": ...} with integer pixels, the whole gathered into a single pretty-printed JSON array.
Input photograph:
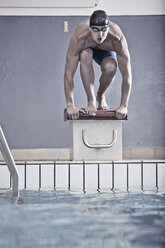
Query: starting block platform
[{"x": 96, "y": 137}]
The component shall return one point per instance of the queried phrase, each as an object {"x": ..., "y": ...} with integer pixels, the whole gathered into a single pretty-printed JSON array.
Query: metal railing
[
  {"x": 112, "y": 164},
  {"x": 4, "y": 148}
]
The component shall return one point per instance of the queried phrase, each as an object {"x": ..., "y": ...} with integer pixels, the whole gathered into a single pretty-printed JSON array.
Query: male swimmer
[{"x": 103, "y": 41}]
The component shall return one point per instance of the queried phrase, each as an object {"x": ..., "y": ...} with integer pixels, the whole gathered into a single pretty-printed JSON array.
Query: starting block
[{"x": 95, "y": 138}]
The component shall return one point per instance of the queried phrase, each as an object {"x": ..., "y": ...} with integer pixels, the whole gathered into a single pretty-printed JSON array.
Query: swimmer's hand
[
  {"x": 73, "y": 113},
  {"x": 121, "y": 112},
  {"x": 91, "y": 109}
]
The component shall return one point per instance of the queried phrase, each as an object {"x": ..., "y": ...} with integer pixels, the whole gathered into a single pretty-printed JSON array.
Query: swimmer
[{"x": 100, "y": 40}]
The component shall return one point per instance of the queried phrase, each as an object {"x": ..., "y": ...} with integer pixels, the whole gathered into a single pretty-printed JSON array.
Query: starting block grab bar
[
  {"x": 99, "y": 146},
  {"x": 4, "y": 148}
]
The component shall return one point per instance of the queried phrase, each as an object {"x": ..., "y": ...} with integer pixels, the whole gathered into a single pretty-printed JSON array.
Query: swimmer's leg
[
  {"x": 87, "y": 75},
  {"x": 108, "y": 68}
]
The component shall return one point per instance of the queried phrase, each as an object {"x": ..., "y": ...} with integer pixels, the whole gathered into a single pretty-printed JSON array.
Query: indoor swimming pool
[
  {"x": 82, "y": 124},
  {"x": 71, "y": 219}
]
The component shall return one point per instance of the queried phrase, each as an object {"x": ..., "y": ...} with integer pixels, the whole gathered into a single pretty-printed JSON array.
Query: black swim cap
[{"x": 99, "y": 18}]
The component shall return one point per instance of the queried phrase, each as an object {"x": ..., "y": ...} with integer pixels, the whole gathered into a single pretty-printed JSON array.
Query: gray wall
[{"x": 32, "y": 59}]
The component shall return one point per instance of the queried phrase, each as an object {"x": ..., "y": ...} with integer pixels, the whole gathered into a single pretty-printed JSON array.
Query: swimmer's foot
[{"x": 102, "y": 103}]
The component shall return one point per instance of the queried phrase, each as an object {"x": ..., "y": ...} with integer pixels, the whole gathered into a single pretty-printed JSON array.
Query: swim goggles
[{"x": 96, "y": 30}]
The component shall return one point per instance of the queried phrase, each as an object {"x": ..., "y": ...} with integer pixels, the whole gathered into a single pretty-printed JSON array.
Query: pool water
[{"x": 72, "y": 219}]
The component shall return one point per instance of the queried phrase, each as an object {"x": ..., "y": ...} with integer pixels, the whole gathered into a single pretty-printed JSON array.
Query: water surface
[{"x": 72, "y": 219}]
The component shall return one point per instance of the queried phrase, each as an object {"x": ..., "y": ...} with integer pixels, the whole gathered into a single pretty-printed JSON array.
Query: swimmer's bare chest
[{"x": 106, "y": 45}]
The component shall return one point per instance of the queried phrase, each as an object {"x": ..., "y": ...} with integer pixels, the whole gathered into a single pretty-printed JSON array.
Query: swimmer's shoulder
[
  {"x": 117, "y": 37},
  {"x": 82, "y": 30},
  {"x": 115, "y": 31}
]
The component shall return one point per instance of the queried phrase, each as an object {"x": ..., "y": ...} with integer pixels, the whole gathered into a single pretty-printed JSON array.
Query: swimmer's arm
[
  {"x": 72, "y": 59},
  {"x": 70, "y": 68},
  {"x": 125, "y": 69},
  {"x": 123, "y": 58}
]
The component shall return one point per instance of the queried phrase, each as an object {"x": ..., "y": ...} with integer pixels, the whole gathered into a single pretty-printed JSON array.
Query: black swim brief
[{"x": 99, "y": 55}]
